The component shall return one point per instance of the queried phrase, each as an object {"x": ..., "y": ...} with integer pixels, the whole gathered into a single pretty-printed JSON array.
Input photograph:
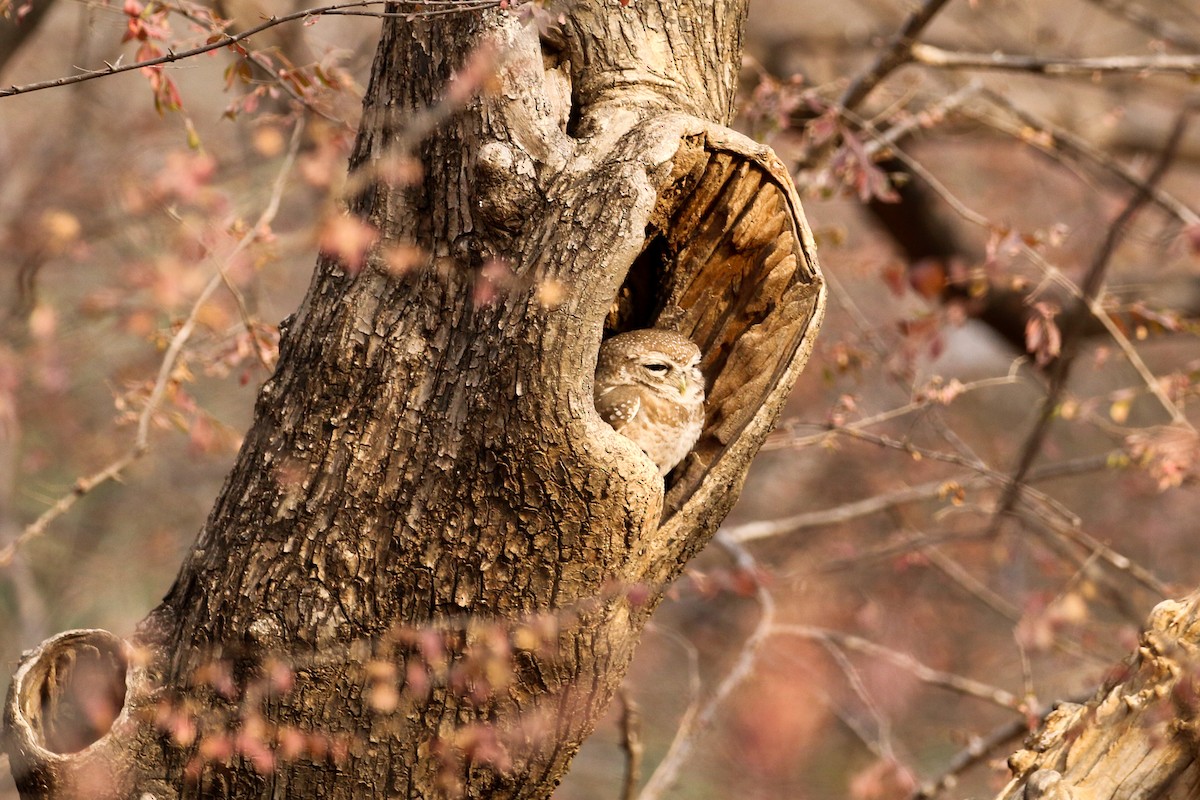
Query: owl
[{"x": 649, "y": 388}]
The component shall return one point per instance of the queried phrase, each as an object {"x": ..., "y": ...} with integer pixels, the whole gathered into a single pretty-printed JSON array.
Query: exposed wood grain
[{"x": 1137, "y": 738}]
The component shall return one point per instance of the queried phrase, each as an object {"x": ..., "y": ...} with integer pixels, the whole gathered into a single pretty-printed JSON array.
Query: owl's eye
[{"x": 657, "y": 369}]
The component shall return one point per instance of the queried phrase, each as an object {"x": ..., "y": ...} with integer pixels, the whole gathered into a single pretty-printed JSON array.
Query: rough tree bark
[{"x": 430, "y": 565}]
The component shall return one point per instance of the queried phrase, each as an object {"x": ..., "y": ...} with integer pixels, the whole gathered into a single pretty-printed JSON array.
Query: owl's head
[{"x": 664, "y": 362}]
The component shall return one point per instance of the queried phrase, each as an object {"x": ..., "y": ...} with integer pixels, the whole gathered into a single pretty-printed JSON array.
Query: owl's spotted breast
[{"x": 649, "y": 389}]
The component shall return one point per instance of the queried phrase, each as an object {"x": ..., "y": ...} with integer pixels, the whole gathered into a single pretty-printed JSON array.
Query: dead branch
[
  {"x": 895, "y": 55},
  {"x": 141, "y": 441},
  {"x": 221, "y": 39},
  {"x": 1090, "y": 289},
  {"x": 932, "y": 56},
  {"x": 922, "y": 672},
  {"x": 1150, "y": 22}
]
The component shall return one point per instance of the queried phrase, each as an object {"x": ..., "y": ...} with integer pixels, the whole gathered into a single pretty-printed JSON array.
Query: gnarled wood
[{"x": 1137, "y": 738}]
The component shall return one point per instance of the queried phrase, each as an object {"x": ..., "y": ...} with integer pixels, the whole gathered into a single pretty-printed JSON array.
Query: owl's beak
[{"x": 682, "y": 385}]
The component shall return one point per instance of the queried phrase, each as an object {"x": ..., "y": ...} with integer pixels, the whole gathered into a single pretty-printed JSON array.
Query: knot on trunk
[{"x": 67, "y": 726}]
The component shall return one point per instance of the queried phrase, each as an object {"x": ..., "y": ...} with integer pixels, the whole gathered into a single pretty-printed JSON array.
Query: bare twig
[
  {"x": 1073, "y": 533},
  {"x": 1089, "y": 292},
  {"x": 970, "y": 584},
  {"x": 765, "y": 529},
  {"x": 916, "y": 450},
  {"x": 1089, "y": 302},
  {"x": 937, "y": 57},
  {"x": 239, "y": 299},
  {"x": 1152, "y": 23},
  {"x": 141, "y": 442},
  {"x": 689, "y": 730},
  {"x": 977, "y": 750},
  {"x": 221, "y": 39},
  {"x": 912, "y": 542},
  {"x": 918, "y": 169},
  {"x": 922, "y": 672},
  {"x": 1061, "y": 140},
  {"x": 264, "y": 64},
  {"x": 877, "y": 503},
  {"x": 1095, "y": 309},
  {"x": 881, "y": 742},
  {"x": 895, "y": 55},
  {"x": 1090, "y": 307},
  {"x": 921, "y": 119},
  {"x": 631, "y": 742},
  {"x": 782, "y": 440}
]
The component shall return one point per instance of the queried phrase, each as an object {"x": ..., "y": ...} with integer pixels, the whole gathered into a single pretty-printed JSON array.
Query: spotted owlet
[{"x": 649, "y": 388}]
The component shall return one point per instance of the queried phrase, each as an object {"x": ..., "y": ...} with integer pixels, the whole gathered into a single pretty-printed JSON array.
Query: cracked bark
[{"x": 422, "y": 461}]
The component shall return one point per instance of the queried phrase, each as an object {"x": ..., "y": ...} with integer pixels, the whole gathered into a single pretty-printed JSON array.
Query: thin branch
[
  {"x": 970, "y": 584},
  {"x": 239, "y": 299},
  {"x": 922, "y": 119},
  {"x": 976, "y": 752},
  {"x": 922, "y": 672},
  {"x": 765, "y": 529},
  {"x": 849, "y": 719},
  {"x": 1089, "y": 306},
  {"x": 918, "y": 451},
  {"x": 687, "y": 723},
  {"x": 932, "y": 56},
  {"x": 264, "y": 64},
  {"x": 1090, "y": 289},
  {"x": 631, "y": 742},
  {"x": 1151, "y": 381},
  {"x": 1056, "y": 520},
  {"x": 1092, "y": 308},
  {"x": 1151, "y": 23},
  {"x": 912, "y": 542},
  {"x": 881, "y": 743},
  {"x": 918, "y": 169},
  {"x": 1073, "y": 533},
  {"x": 897, "y": 54},
  {"x": 141, "y": 442},
  {"x": 779, "y": 441},
  {"x": 688, "y": 733},
  {"x": 63, "y": 504},
  {"x": 221, "y": 39},
  {"x": 1061, "y": 141}
]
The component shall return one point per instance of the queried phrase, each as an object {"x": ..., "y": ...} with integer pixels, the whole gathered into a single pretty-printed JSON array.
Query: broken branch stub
[{"x": 1137, "y": 738}]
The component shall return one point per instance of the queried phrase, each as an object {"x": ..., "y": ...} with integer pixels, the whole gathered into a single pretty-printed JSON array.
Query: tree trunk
[{"x": 430, "y": 565}]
